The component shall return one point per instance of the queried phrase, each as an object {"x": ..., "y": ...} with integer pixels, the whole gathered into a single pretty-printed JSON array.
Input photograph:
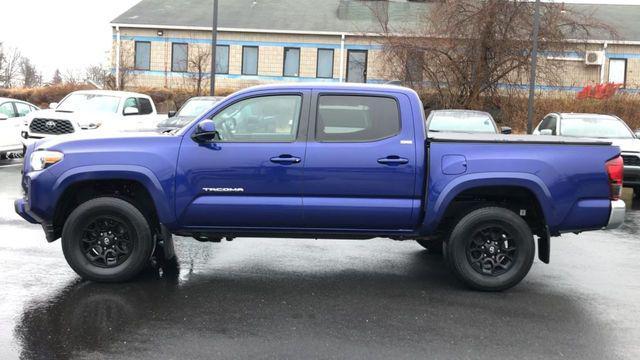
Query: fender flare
[
  {"x": 137, "y": 173},
  {"x": 439, "y": 205}
]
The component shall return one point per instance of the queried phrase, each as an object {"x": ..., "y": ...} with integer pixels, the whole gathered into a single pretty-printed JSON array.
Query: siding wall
[{"x": 573, "y": 76}]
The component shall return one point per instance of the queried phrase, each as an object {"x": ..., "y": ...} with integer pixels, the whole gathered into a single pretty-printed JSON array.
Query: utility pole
[
  {"x": 534, "y": 64},
  {"x": 214, "y": 41}
]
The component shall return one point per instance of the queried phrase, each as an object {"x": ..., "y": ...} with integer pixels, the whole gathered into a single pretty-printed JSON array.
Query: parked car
[
  {"x": 12, "y": 115},
  {"x": 91, "y": 110},
  {"x": 463, "y": 121},
  {"x": 188, "y": 112},
  {"x": 319, "y": 161},
  {"x": 597, "y": 126}
]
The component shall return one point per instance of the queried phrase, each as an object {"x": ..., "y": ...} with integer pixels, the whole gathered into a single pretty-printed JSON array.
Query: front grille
[
  {"x": 51, "y": 126},
  {"x": 631, "y": 160}
]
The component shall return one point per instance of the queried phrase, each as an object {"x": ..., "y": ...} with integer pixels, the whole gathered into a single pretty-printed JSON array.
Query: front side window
[
  {"x": 222, "y": 59},
  {"x": 324, "y": 67},
  {"x": 7, "y": 110},
  {"x": 291, "y": 62},
  {"x": 260, "y": 119},
  {"x": 23, "y": 109},
  {"x": 130, "y": 103},
  {"x": 143, "y": 55},
  {"x": 356, "y": 118},
  {"x": 548, "y": 123},
  {"x": 90, "y": 103},
  {"x": 249, "y": 60},
  {"x": 179, "y": 57}
]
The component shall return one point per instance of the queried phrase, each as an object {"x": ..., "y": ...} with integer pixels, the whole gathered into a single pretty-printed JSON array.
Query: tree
[
  {"x": 29, "y": 74},
  {"x": 467, "y": 50},
  {"x": 10, "y": 67},
  {"x": 200, "y": 64},
  {"x": 126, "y": 67},
  {"x": 57, "y": 78},
  {"x": 97, "y": 75}
]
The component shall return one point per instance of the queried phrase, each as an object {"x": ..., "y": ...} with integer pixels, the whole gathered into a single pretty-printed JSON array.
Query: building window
[
  {"x": 618, "y": 71},
  {"x": 324, "y": 67},
  {"x": 357, "y": 66},
  {"x": 291, "y": 66},
  {"x": 249, "y": 60},
  {"x": 222, "y": 59},
  {"x": 179, "y": 57},
  {"x": 143, "y": 55}
]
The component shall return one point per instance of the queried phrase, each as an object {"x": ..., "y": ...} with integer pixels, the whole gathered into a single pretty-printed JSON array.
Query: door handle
[
  {"x": 393, "y": 160},
  {"x": 285, "y": 159}
]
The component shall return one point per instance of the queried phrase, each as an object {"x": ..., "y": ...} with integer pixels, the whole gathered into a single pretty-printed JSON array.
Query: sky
[{"x": 74, "y": 34}]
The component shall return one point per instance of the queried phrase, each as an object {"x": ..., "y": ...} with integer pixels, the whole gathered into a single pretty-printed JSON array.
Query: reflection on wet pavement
[{"x": 293, "y": 298}]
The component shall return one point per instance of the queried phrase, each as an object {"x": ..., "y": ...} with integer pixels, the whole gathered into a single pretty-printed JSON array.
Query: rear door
[
  {"x": 360, "y": 165},
  {"x": 252, "y": 176}
]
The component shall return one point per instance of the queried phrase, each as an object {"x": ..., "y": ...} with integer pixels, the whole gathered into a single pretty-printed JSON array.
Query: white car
[
  {"x": 12, "y": 114},
  {"x": 598, "y": 126},
  {"x": 92, "y": 110}
]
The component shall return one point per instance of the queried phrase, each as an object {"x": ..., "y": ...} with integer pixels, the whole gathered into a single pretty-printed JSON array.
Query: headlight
[
  {"x": 90, "y": 126},
  {"x": 42, "y": 159}
]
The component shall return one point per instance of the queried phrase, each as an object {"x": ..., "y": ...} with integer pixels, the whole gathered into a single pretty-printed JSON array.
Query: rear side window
[
  {"x": 144, "y": 106},
  {"x": 356, "y": 118}
]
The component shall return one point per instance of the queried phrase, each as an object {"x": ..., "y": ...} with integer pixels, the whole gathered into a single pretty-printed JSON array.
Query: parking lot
[{"x": 295, "y": 298}]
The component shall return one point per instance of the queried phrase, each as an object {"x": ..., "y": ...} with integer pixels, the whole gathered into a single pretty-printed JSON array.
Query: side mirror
[
  {"x": 546, "y": 132},
  {"x": 130, "y": 111},
  {"x": 53, "y": 105},
  {"x": 171, "y": 113},
  {"x": 3, "y": 117},
  {"x": 505, "y": 130},
  {"x": 638, "y": 133},
  {"x": 205, "y": 131}
]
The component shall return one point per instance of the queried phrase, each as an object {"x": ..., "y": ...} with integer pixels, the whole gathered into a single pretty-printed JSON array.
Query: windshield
[
  {"x": 90, "y": 103},
  {"x": 595, "y": 127},
  {"x": 461, "y": 122},
  {"x": 196, "y": 107}
]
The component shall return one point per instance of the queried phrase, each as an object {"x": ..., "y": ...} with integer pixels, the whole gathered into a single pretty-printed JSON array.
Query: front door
[
  {"x": 357, "y": 66},
  {"x": 251, "y": 177},
  {"x": 360, "y": 169},
  {"x": 9, "y": 127}
]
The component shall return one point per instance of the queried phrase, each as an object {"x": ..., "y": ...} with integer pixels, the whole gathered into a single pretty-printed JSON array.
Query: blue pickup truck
[{"x": 319, "y": 161}]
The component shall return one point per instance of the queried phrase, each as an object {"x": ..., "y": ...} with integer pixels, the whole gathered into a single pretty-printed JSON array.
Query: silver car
[
  {"x": 12, "y": 114},
  {"x": 599, "y": 126}
]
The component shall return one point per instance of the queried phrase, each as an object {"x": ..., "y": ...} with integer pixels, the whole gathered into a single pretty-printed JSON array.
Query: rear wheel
[
  {"x": 107, "y": 239},
  {"x": 491, "y": 249}
]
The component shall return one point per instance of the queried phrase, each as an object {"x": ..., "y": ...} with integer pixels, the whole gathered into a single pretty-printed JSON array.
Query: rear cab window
[{"x": 356, "y": 118}]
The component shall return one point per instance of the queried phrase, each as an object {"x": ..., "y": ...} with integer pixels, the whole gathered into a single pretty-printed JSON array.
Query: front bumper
[
  {"x": 22, "y": 208},
  {"x": 616, "y": 218}
]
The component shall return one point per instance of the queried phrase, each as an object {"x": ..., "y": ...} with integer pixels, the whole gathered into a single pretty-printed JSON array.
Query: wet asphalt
[{"x": 293, "y": 298}]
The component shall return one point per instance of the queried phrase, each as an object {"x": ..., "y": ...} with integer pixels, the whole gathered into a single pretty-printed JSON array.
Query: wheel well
[
  {"x": 128, "y": 190},
  {"x": 511, "y": 197}
]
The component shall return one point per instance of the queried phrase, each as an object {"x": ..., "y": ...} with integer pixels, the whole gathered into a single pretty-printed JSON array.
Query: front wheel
[
  {"x": 491, "y": 249},
  {"x": 107, "y": 240}
]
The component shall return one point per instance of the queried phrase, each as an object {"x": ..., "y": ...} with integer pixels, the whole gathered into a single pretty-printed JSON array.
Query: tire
[
  {"x": 433, "y": 246},
  {"x": 3, "y": 156},
  {"x": 85, "y": 234},
  {"x": 469, "y": 255}
]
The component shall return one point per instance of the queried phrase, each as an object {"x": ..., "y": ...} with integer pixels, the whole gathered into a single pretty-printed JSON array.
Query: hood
[
  {"x": 76, "y": 117},
  {"x": 176, "y": 121},
  {"x": 88, "y": 136},
  {"x": 627, "y": 145}
]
